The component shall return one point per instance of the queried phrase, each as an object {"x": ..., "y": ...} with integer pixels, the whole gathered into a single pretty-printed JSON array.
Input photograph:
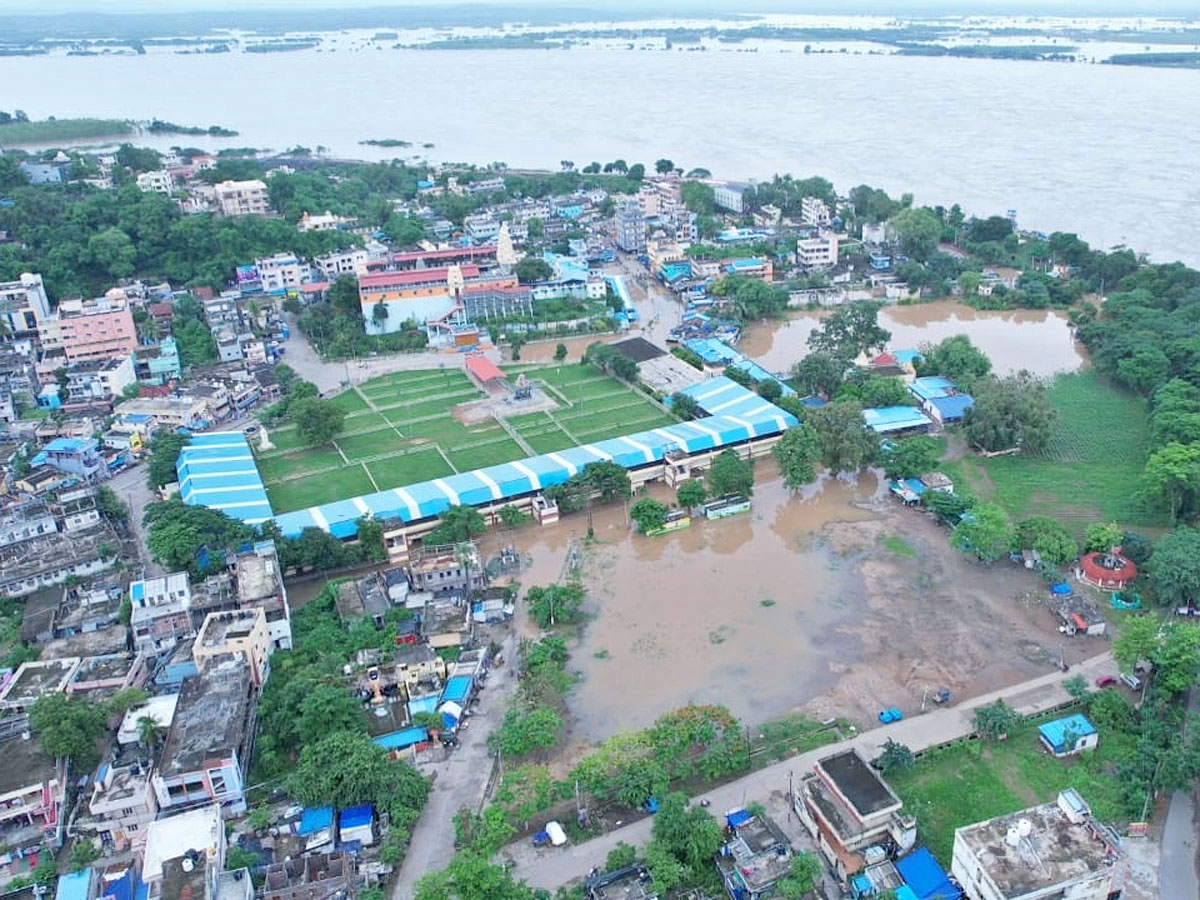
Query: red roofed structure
[{"x": 486, "y": 372}]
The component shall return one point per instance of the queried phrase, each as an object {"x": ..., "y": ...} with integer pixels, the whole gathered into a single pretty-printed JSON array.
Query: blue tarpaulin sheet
[
  {"x": 926, "y": 877},
  {"x": 314, "y": 820},
  {"x": 737, "y": 817},
  {"x": 355, "y": 816}
]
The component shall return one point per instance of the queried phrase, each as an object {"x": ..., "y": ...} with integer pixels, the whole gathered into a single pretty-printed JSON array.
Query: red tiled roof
[
  {"x": 314, "y": 287},
  {"x": 885, "y": 359},
  {"x": 452, "y": 253},
  {"x": 483, "y": 368},
  {"x": 413, "y": 276}
]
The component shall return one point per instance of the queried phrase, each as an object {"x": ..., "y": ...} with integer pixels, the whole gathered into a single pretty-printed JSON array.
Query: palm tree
[{"x": 150, "y": 733}]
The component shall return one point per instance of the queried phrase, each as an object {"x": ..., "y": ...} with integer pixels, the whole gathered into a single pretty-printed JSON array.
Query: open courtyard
[{"x": 414, "y": 426}]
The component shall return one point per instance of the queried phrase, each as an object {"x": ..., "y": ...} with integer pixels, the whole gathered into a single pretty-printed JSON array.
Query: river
[{"x": 1106, "y": 151}]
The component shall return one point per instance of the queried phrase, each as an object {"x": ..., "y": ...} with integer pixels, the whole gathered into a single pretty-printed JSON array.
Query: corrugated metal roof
[
  {"x": 218, "y": 470},
  {"x": 895, "y": 418}
]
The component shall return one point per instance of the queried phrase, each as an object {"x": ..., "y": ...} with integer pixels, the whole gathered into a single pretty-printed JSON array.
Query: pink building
[{"x": 92, "y": 329}]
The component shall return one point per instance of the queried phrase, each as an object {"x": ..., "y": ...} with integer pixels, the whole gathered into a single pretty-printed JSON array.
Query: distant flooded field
[{"x": 1033, "y": 339}]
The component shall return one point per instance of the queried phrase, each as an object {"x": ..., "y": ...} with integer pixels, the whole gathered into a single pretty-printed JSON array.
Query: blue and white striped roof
[
  {"x": 736, "y": 415},
  {"x": 218, "y": 470}
]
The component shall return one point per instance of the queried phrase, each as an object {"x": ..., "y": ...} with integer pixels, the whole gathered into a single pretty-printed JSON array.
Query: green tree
[
  {"x": 317, "y": 421},
  {"x": 910, "y": 457},
  {"x": 691, "y": 493},
  {"x": 1174, "y": 569},
  {"x": 689, "y": 833},
  {"x": 326, "y": 709},
  {"x": 1104, "y": 537},
  {"x": 343, "y": 296},
  {"x": 637, "y": 172},
  {"x": 995, "y": 720},
  {"x": 512, "y": 516},
  {"x": 802, "y": 878},
  {"x": 344, "y": 768},
  {"x": 150, "y": 733},
  {"x": 770, "y": 389},
  {"x": 532, "y": 269},
  {"x": 849, "y": 330},
  {"x": 820, "y": 373},
  {"x": 1009, "y": 412},
  {"x": 876, "y": 392},
  {"x": 620, "y": 856},
  {"x": 948, "y": 507},
  {"x": 69, "y": 726},
  {"x": 918, "y": 231},
  {"x": 955, "y": 358},
  {"x": 1049, "y": 538},
  {"x": 698, "y": 197},
  {"x": 556, "y": 604},
  {"x": 560, "y": 352},
  {"x": 664, "y": 166},
  {"x": 1077, "y": 687},
  {"x": 730, "y": 474},
  {"x": 178, "y": 531},
  {"x": 608, "y": 479},
  {"x": 1146, "y": 370},
  {"x": 110, "y": 505},
  {"x": 1171, "y": 480},
  {"x": 126, "y": 699},
  {"x": 685, "y": 406},
  {"x": 525, "y": 732},
  {"x": 370, "y": 540},
  {"x": 798, "y": 452},
  {"x": 164, "y": 451},
  {"x": 895, "y": 757},
  {"x": 470, "y": 876},
  {"x": 648, "y": 514},
  {"x": 847, "y": 444},
  {"x": 457, "y": 524},
  {"x": 1177, "y": 658},
  {"x": 379, "y": 315},
  {"x": 985, "y": 531}
]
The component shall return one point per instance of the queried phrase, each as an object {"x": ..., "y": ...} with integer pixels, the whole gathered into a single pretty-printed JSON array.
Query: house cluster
[
  {"x": 439, "y": 602},
  {"x": 178, "y": 762}
]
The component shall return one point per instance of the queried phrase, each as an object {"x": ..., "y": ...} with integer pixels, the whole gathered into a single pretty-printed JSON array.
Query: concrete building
[
  {"x": 819, "y": 252},
  {"x": 159, "y": 363},
  {"x": 34, "y": 680},
  {"x": 104, "y": 675},
  {"x": 452, "y": 567},
  {"x": 424, "y": 296},
  {"x": 260, "y": 586},
  {"x": 160, "y": 708},
  {"x": 53, "y": 558},
  {"x": 158, "y": 182},
  {"x": 242, "y": 198},
  {"x": 211, "y": 738},
  {"x": 76, "y": 456},
  {"x": 316, "y": 876},
  {"x": 161, "y": 612},
  {"x": 341, "y": 262},
  {"x": 100, "y": 379},
  {"x": 754, "y": 857},
  {"x": 32, "y": 794},
  {"x": 182, "y": 411},
  {"x": 122, "y": 805},
  {"x": 847, "y": 807},
  {"x": 23, "y": 304},
  {"x": 91, "y": 329},
  {"x": 630, "y": 224},
  {"x": 241, "y": 633},
  {"x": 1054, "y": 850},
  {"x": 730, "y": 196},
  {"x": 282, "y": 272},
  {"x": 325, "y": 222},
  {"x": 200, "y": 829},
  {"x": 813, "y": 211},
  {"x": 1069, "y": 735}
]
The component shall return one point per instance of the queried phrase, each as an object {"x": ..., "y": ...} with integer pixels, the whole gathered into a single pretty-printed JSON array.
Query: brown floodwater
[{"x": 1038, "y": 340}]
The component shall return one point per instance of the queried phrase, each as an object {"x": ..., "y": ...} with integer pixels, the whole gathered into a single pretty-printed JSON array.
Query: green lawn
[
  {"x": 420, "y": 405},
  {"x": 1090, "y": 469},
  {"x": 978, "y": 780}
]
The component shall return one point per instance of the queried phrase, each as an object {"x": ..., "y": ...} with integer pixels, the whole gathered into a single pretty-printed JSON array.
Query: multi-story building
[
  {"x": 421, "y": 295},
  {"x": 260, "y": 586},
  {"x": 282, "y": 272},
  {"x": 240, "y": 632},
  {"x": 184, "y": 411},
  {"x": 76, "y": 456},
  {"x": 32, "y": 794},
  {"x": 161, "y": 612},
  {"x": 100, "y": 379},
  {"x": 341, "y": 262},
  {"x": 1048, "y": 851},
  {"x": 312, "y": 877},
  {"x": 630, "y": 224},
  {"x": 481, "y": 228},
  {"x": 813, "y": 211},
  {"x": 847, "y": 807},
  {"x": 159, "y": 363},
  {"x": 326, "y": 222},
  {"x": 242, "y": 198},
  {"x": 23, "y": 305},
  {"x": 209, "y": 744},
  {"x": 25, "y": 522},
  {"x": 730, "y": 196},
  {"x": 158, "y": 182},
  {"x": 53, "y": 558},
  {"x": 819, "y": 252},
  {"x": 99, "y": 328},
  {"x": 122, "y": 805},
  {"x": 197, "y": 835}
]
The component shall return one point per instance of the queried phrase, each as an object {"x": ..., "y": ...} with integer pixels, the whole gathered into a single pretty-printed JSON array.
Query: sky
[{"x": 948, "y": 7}]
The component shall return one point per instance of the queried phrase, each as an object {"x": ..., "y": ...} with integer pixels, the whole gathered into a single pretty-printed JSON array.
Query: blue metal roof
[
  {"x": 895, "y": 418},
  {"x": 457, "y": 689},
  {"x": 951, "y": 409},
  {"x": 355, "y": 816},
  {"x": 315, "y": 819},
  {"x": 1055, "y": 733},
  {"x": 75, "y": 885},
  {"x": 398, "y": 740},
  {"x": 925, "y": 876},
  {"x": 218, "y": 470},
  {"x": 906, "y": 356},
  {"x": 712, "y": 351},
  {"x": 929, "y": 387}
]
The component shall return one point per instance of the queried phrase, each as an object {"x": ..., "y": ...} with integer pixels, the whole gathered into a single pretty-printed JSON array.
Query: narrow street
[
  {"x": 1177, "y": 869},
  {"x": 551, "y": 867},
  {"x": 460, "y": 780}
]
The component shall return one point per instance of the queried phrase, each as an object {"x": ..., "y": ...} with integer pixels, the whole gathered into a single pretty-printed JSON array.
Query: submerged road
[{"x": 549, "y": 868}]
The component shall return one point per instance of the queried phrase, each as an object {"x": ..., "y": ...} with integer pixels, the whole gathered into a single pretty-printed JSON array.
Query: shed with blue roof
[
  {"x": 75, "y": 886},
  {"x": 896, "y": 419},
  {"x": 925, "y": 876},
  {"x": 941, "y": 398},
  {"x": 356, "y": 823},
  {"x": 1069, "y": 735}
]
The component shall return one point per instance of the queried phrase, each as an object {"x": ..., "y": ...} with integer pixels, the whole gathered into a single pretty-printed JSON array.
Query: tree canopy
[
  {"x": 955, "y": 358},
  {"x": 317, "y": 421},
  {"x": 730, "y": 474},
  {"x": 849, "y": 330},
  {"x": 846, "y": 443},
  {"x": 455, "y": 525},
  {"x": 985, "y": 531},
  {"x": 798, "y": 452},
  {"x": 1009, "y": 412}
]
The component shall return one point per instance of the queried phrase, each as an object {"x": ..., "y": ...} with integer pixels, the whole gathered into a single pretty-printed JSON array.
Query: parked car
[
  {"x": 1131, "y": 681},
  {"x": 1105, "y": 681}
]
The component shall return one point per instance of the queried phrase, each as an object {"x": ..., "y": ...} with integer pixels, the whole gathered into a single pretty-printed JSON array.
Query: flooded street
[{"x": 1037, "y": 340}]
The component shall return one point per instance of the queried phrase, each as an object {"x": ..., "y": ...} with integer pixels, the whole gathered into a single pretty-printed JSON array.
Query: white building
[
  {"x": 242, "y": 198},
  {"x": 199, "y": 829},
  {"x": 326, "y": 222},
  {"x": 813, "y": 211},
  {"x": 23, "y": 304},
  {"x": 157, "y": 182},
  {"x": 818, "y": 253},
  {"x": 282, "y": 272},
  {"x": 730, "y": 196},
  {"x": 1054, "y": 851},
  {"x": 341, "y": 262}
]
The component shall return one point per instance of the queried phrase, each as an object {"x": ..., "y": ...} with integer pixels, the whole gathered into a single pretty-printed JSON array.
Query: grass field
[
  {"x": 400, "y": 429},
  {"x": 1090, "y": 469},
  {"x": 978, "y": 780}
]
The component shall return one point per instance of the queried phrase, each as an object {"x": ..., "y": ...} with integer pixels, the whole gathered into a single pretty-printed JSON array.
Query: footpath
[{"x": 552, "y": 867}]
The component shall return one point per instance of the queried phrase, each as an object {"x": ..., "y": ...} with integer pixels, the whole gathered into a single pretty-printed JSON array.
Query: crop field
[
  {"x": 400, "y": 429},
  {"x": 1089, "y": 470}
]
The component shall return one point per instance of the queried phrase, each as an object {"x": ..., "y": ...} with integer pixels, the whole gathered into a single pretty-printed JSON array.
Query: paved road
[
  {"x": 131, "y": 487},
  {"x": 1177, "y": 868},
  {"x": 460, "y": 781},
  {"x": 550, "y": 868}
]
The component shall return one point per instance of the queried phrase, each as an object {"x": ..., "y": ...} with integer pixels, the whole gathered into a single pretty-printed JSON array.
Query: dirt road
[{"x": 552, "y": 867}]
